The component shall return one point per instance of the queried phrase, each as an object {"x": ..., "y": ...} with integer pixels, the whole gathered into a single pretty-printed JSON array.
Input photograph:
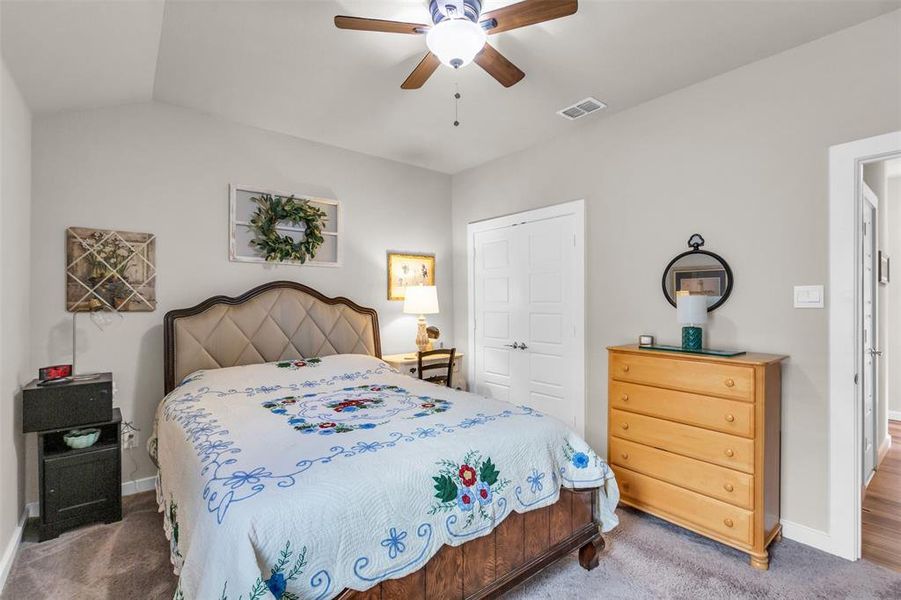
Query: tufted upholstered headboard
[{"x": 275, "y": 321}]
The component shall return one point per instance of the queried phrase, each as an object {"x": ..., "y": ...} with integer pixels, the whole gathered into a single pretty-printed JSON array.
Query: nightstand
[
  {"x": 77, "y": 486},
  {"x": 407, "y": 364}
]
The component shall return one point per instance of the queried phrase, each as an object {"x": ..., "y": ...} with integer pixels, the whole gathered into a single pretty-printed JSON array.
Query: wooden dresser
[{"x": 695, "y": 440}]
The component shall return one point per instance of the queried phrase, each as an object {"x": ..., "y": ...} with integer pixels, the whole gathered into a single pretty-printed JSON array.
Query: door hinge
[{"x": 856, "y": 378}]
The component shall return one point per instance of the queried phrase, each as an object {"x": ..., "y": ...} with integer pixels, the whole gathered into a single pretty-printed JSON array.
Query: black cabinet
[
  {"x": 77, "y": 486},
  {"x": 73, "y": 404}
]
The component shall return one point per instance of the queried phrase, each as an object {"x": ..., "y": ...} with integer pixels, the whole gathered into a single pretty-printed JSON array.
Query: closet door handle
[
  {"x": 514, "y": 345},
  {"x": 523, "y": 346}
]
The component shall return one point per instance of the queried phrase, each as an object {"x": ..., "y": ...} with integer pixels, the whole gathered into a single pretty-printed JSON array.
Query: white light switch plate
[{"x": 809, "y": 296}]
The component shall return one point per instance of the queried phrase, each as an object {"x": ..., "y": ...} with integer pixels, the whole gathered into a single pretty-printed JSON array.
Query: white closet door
[
  {"x": 545, "y": 320},
  {"x": 496, "y": 310},
  {"x": 528, "y": 307}
]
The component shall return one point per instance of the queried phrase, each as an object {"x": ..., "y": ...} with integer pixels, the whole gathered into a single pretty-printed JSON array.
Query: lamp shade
[
  {"x": 691, "y": 309},
  {"x": 421, "y": 300},
  {"x": 456, "y": 41}
]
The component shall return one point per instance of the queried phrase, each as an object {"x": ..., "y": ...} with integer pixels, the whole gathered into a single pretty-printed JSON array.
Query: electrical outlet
[{"x": 129, "y": 435}]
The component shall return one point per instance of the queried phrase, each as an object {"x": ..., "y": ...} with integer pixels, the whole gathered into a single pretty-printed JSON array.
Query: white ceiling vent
[{"x": 581, "y": 108}]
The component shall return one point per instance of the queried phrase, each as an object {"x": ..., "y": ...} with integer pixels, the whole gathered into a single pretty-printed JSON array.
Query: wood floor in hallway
[{"x": 881, "y": 519}]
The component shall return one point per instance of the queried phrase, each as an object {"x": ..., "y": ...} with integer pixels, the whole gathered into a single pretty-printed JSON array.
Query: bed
[{"x": 295, "y": 464}]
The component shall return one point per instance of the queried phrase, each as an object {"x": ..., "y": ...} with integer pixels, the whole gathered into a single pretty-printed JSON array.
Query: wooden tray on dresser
[{"x": 518, "y": 548}]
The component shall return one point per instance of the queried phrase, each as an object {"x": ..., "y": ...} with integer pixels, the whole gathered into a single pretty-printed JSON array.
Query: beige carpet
[
  {"x": 124, "y": 560},
  {"x": 647, "y": 559}
]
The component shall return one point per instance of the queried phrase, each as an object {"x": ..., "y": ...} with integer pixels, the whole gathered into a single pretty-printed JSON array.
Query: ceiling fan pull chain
[{"x": 456, "y": 105}]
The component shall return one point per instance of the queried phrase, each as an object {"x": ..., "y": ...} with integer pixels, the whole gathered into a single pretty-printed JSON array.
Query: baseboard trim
[
  {"x": 136, "y": 486},
  {"x": 12, "y": 547},
  {"x": 894, "y": 415},
  {"x": 808, "y": 536}
]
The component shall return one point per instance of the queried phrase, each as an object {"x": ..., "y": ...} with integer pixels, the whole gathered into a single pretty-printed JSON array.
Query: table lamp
[
  {"x": 691, "y": 310},
  {"x": 421, "y": 300}
]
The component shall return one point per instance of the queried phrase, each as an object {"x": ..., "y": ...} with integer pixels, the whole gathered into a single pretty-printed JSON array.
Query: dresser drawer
[
  {"x": 719, "y": 518},
  {"x": 728, "y": 416},
  {"x": 717, "y": 482},
  {"x": 717, "y": 379},
  {"x": 711, "y": 446}
]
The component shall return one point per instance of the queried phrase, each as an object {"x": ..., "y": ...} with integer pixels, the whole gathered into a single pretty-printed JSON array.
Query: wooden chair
[{"x": 443, "y": 378}]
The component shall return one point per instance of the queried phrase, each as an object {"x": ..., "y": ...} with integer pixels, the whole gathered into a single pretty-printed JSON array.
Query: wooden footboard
[{"x": 521, "y": 546}]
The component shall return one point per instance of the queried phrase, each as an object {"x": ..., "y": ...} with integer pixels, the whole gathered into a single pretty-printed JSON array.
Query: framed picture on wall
[
  {"x": 408, "y": 269},
  {"x": 699, "y": 280}
]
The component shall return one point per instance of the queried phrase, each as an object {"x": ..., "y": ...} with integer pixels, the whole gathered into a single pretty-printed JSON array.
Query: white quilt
[{"x": 299, "y": 479}]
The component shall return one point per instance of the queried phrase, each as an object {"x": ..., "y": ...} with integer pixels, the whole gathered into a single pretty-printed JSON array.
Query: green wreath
[{"x": 273, "y": 210}]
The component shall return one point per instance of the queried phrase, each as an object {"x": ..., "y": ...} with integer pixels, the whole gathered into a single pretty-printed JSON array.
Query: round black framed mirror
[{"x": 699, "y": 272}]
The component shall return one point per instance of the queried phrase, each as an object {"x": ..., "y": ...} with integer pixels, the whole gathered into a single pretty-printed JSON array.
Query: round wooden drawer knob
[
  {"x": 728, "y": 522},
  {"x": 625, "y": 425},
  {"x": 728, "y": 487},
  {"x": 730, "y": 452},
  {"x": 730, "y": 418},
  {"x": 729, "y": 382},
  {"x": 625, "y": 455},
  {"x": 625, "y": 485},
  {"x": 625, "y": 397},
  {"x": 625, "y": 368}
]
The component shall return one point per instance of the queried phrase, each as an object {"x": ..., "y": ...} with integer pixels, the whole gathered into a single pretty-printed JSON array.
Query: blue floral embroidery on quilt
[
  {"x": 424, "y": 531},
  {"x": 341, "y": 411},
  {"x": 534, "y": 480},
  {"x": 288, "y": 567},
  {"x": 227, "y": 484},
  {"x": 395, "y": 543}
]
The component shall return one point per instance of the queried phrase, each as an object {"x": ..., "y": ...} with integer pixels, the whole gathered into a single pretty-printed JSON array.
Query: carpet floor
[{"x": 646, "y": 558}]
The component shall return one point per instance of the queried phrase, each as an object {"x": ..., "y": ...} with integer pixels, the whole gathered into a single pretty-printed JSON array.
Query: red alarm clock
[{"x": 55, "y": 374}]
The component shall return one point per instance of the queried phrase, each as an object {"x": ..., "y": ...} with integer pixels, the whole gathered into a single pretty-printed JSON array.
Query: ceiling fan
[{"x": 459, "y": 34}]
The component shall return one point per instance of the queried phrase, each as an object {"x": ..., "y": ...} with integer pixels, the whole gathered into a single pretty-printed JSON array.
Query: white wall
[
  {"x": 893, "y": 358},
  {"x": 165, "y": 170},
  {"x": 15, "y": 250},
  {"x": 742, "y": 159}
]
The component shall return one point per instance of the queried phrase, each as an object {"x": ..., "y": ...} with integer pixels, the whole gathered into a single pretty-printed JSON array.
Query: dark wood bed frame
[{"x": 485, "y": 567}]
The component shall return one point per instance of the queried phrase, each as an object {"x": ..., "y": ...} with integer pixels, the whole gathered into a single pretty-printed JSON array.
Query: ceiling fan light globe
[{"x": 456, "y": 41}]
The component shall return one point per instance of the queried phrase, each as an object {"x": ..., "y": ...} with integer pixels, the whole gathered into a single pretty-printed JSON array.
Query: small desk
[{"x": 408, "y": 365}]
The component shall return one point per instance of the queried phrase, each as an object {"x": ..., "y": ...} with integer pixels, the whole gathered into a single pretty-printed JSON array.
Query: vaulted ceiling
[{"x": 283, "y": 66}]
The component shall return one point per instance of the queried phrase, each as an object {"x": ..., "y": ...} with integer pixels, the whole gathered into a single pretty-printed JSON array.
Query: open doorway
[
  {"x": 846, "y": 346},
  {"x": 880, "y": 357}
]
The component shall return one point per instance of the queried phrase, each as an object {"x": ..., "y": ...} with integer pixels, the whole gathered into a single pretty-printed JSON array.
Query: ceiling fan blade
[
  {"x": 498, "y": 66},
  {"x": 362, "y": 24},
  {"x": 422, "y": 72},
  {"x": 528, "y": 12}
]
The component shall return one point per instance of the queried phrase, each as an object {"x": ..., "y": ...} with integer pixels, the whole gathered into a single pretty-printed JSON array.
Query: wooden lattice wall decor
[{"x": 110, "y": 270}]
